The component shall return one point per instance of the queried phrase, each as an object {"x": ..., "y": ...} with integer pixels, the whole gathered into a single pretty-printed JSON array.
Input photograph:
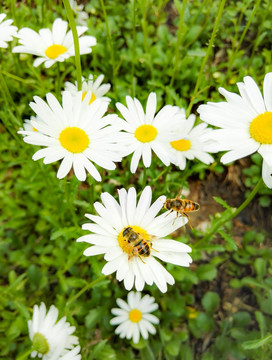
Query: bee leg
[
  {"x": 189, "y": 221},
  {"x": 169, "y": 212},
  {"x": 175, "y": 218},
  {"x": 141, "y": 259}
]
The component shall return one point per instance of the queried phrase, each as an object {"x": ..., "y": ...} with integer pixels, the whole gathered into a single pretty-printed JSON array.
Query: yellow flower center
[
  {"x": 92, "y": 97},
  {"x": 135, "y": 315},
  {"x": 181, "y": 145},
  {"x": 74, "y": 139},
  {"x": 55, "y": 50},
  {"x": 146, "y": 133},
  {"x": 127, "y": 246},
  {"x": 261, "y": 128},
  {"x": 40, "y": 343}
]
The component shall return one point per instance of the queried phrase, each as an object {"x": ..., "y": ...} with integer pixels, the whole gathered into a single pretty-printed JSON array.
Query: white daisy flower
[
  {"x": 52, "y": 339},
  {"x": 94, "y": 87},
  {"x": 52, "y": 46},
  {"x": 131, "y": 236},
  {"x": 75, "y": 132},
  {"x": 190, "y": 144},
  {"x": 245, "y": 121},
  {"x": 146, "y": 132},
  {"x": 81, "y": 16},
  {"x": 7, "y": 31},
  {"x": 134, "y": 318}
]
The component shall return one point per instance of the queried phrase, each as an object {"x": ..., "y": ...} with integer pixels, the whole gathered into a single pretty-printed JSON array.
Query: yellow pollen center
[
  {"x": 55, "y": 50},
  {"x": 135, "y": 315},
  {"x": 92, "y": 97},
  {"x": 146, "y": 133},
  {"x": 123, "y": 243},
  {"x": 261, "y": 128},
  {"x": 181, "y": 145},
  {"x": 74, "y": 139}
]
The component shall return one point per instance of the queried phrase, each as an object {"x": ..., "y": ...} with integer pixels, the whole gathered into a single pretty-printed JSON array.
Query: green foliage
[{"x": 220, "y": 308}]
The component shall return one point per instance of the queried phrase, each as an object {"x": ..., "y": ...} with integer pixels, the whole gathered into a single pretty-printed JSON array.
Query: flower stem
[
  {"x": 208, "y": 52},
  {"x": 109, "y": 41},
  {"x": 226, "y": 216},
  {"x": 25, "y": 354},
  {"x": 72, "y": 24},
  {"x": 133, "y": 48},
  {"x": 237, "y": 47},
  {"x": 87, "y": 287},
  {"x": 179, "y": 41},
  {"x": 8, "y": 98}
]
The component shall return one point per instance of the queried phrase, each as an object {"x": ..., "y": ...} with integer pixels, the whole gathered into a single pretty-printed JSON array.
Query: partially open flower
[
  {"x": 96, "y": 88},
  {"x": 52, "y": 339}
]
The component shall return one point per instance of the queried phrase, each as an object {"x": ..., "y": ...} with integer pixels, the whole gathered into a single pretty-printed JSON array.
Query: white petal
[
  {"x": 254, "y": 94},
  {"x": 267, "y": 175},
  {"x": 267, "y": 89},
  {"x": 151, "y": 107},
  {"x": 65, "y": 166}
]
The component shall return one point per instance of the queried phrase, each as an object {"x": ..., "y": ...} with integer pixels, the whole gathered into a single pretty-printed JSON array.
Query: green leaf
[
  {"x": 103, "y": 351},
  {"x": 260, "y": 267},
  {"x": 241, "y": 319},
  {"x": 206, "y": 272},
  {"x": 221, "y": 202},
  {"x": 255, "y": 344},
  {"x": 172, "y": 347},
  {"x": 261, "y": 322},
  {"x": 210, "y": 301}
]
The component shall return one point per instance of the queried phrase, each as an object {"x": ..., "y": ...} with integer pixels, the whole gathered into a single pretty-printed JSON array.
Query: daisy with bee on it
[{"x": 132, "y": 237}]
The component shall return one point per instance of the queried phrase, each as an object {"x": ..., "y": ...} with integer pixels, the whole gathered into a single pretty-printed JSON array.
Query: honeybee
[
  {"x": 136, "y": 245},
  {"x": 181, "y": 206}
]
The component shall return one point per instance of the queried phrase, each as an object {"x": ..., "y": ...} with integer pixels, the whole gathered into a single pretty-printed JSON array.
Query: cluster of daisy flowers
[
  {"x": 53, "y": 339},
  {"x": 78, "y": 132},
  {"x": 129, "y": 233}
]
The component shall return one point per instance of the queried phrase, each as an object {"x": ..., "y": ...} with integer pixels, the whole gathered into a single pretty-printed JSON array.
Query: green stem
[
  {"x": 72, "y": 24},
  {"x": 133, "y": 49},
  {"x": 144, "y": 8},
  {"x": 179, "y": 41},
  {"x": 208, "y": 52},
  {"x": 7, "y": 97},
  {"x": 227, "y": 218},
  {"x": 265, "y": 13},
  {"x": 57, "y": 89},
  {"x": 25, "y": 354},
  {"x": 165, "y": 170},
  {"x": 87, "y": 287},
  {"x": 237, "y": 47},
  {"x": 109, "y": 42},
  {"x": 69, "y": 194}
]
